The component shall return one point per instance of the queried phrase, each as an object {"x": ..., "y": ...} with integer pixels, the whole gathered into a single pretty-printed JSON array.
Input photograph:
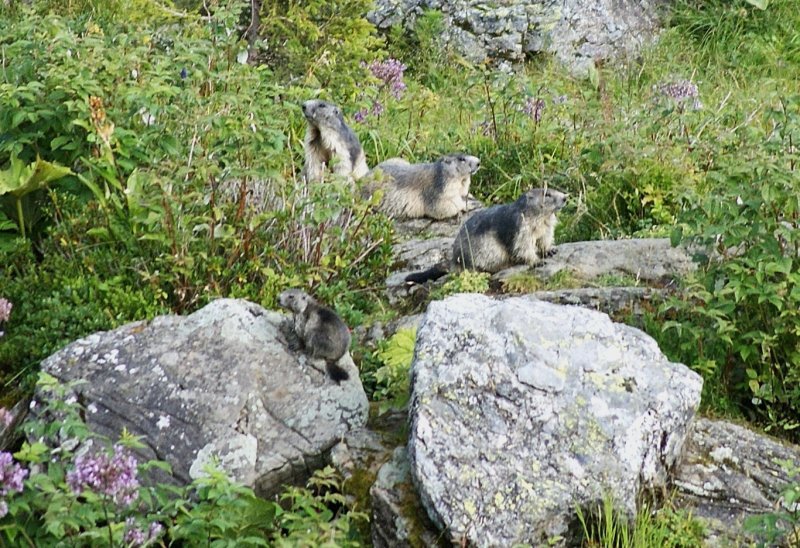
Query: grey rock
[
  {"x": 522, "y": 410},
  {"x": 217, "y": 383},
  {"x": 728, "y": 472},
  {"x": 646, "y": 259},
  {"x": 610, "y": 300},
  {"x": 398, "y": 520},
  {"x": 10, "y": 433},
  {"x": 577, "y": 32}
]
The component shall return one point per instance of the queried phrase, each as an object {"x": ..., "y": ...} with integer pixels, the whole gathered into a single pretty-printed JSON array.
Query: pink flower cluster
[
  {"x": 391, "y": 73},
  {"x": 11, "y": 476},
  {"x": 534, "y": 108},
  {"x": 112, "y": 475},
  {"x": 680, "y": 91},
  {"x": 136, "y": 537}
]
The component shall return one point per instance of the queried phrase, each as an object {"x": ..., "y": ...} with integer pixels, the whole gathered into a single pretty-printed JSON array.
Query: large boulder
[
  {"x": 578, "y": 32},
  {"x": 217, "y": 383},
  {"x": 522, "y": 411}
]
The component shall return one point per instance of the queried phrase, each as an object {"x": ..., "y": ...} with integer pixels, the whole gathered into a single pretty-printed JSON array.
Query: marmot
[
  {"x": 330, "y": 142},
  {"x": 495, "y": 238},
  {"x": 437, "y": 190},
  {"x": 321, "y": 333}
]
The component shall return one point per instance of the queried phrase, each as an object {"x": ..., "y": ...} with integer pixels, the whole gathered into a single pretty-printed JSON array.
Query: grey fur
[
  {"x": 330, "y": 143},
  {"x": 437, "y": 190},
  {"x": 521, "y": 232},
  {"x": 321, "y": 331}
]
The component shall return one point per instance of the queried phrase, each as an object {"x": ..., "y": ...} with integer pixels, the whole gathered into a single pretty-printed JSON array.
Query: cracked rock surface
[
  {"x": 522, "y": 410},
  {"x": 577, "y": 32},
  {"x": 217, "y": 383},
  {"x": 729, "y": 472}
]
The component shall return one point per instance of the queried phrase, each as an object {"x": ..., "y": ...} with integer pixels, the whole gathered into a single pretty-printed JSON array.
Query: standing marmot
[
  {"x": 495, "y": 238},
  {"x": 330, "y": 142},
  {"x": 322, "y": 334},
  {"x": 437, "y": 190}
]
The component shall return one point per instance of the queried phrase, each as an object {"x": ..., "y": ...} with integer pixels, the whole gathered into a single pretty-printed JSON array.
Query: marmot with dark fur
[
  {"x": 321, "y": 333},
  {"x": 330, "y": 143},
  {"x": 437, "y": 190},
  {"x": 501, "y": 236}
]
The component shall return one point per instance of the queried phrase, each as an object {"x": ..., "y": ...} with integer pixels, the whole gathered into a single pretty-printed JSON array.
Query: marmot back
[
  {"x": 330, "y": 142},
  {"x": 437, "y": 190},
  {"x": 322, "y": 333},
  {"x": 521, "y": 232}
]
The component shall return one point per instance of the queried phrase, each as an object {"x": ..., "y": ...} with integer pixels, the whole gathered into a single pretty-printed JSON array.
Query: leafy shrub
[
  {"x": 324, "y": 41},
  {"x": 745, "y": 299},
  {"x": 104, "y": 495},
  {"x": 393, "y": 376}
]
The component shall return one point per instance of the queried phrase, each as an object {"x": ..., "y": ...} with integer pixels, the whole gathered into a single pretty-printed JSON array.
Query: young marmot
[
  {"x": 330, "y": 142},
  {"x": 321, "y": 333},
  {"x": 437, "y": 190},
  {"x": 500, "y": 236}
]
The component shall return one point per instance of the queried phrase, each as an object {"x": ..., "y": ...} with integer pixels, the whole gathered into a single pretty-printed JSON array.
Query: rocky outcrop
[
  {"x": 217, "y": 383},
  {"x": 728, "y": 472},
  {"x": 522, "y": 410},
  {"x": 578, "y": 32}
]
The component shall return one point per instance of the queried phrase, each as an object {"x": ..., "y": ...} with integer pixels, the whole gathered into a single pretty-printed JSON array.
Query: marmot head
[
  {"x": 543, "y": 200},
  {"x": 462, "y": 164},
  {"x": 322, "y": 114},
  {"x": 295, "y": 300}
]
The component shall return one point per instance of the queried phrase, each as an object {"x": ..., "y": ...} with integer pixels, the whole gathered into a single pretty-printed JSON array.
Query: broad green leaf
[{"x": 20, "y": 179}]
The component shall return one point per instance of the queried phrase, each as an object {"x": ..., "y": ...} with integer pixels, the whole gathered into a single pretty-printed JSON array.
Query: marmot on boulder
[
  {"x": 500, "y": 236},
  {"x": 437, "y": 190},
  {"x": 321, "y": 333},
  {"x": 330, "y": 142}
]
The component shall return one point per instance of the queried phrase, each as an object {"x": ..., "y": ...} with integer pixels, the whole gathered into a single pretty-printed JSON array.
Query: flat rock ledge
[
  {"x": 641, "y": 261},
  {"x": 219, "y": 383},
  {"x": 522, "y": 410}
]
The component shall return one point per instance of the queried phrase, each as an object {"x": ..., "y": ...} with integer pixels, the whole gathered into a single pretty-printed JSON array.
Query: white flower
[
  {"x": 91, "y": 408},
  {"x": 242, "y": 57},
  {"x": 147, "y": 118},
  {"x": 134, "y": 74}
]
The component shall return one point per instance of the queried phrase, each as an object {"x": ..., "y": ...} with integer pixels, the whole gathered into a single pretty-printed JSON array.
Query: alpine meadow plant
[{"x": 740, "y": 315}]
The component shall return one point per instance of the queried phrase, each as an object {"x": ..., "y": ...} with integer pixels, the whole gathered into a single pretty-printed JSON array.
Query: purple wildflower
[
  {"x": 184, "y": 73},
  {"x": 11, "y": 476},
  {"x": 111, "y": 475},
  {"x": 6, "y": 418},
  {"x": 377, "y": 108},
  {"x": 133, "y": 535},
  {"x": 155, "y": 530},
  {"x": 391, "y": 73},
  {"x": 680, "y": 91},
  {"x": 361, "y": 115},
  {"x": 533, "y": 108}
]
